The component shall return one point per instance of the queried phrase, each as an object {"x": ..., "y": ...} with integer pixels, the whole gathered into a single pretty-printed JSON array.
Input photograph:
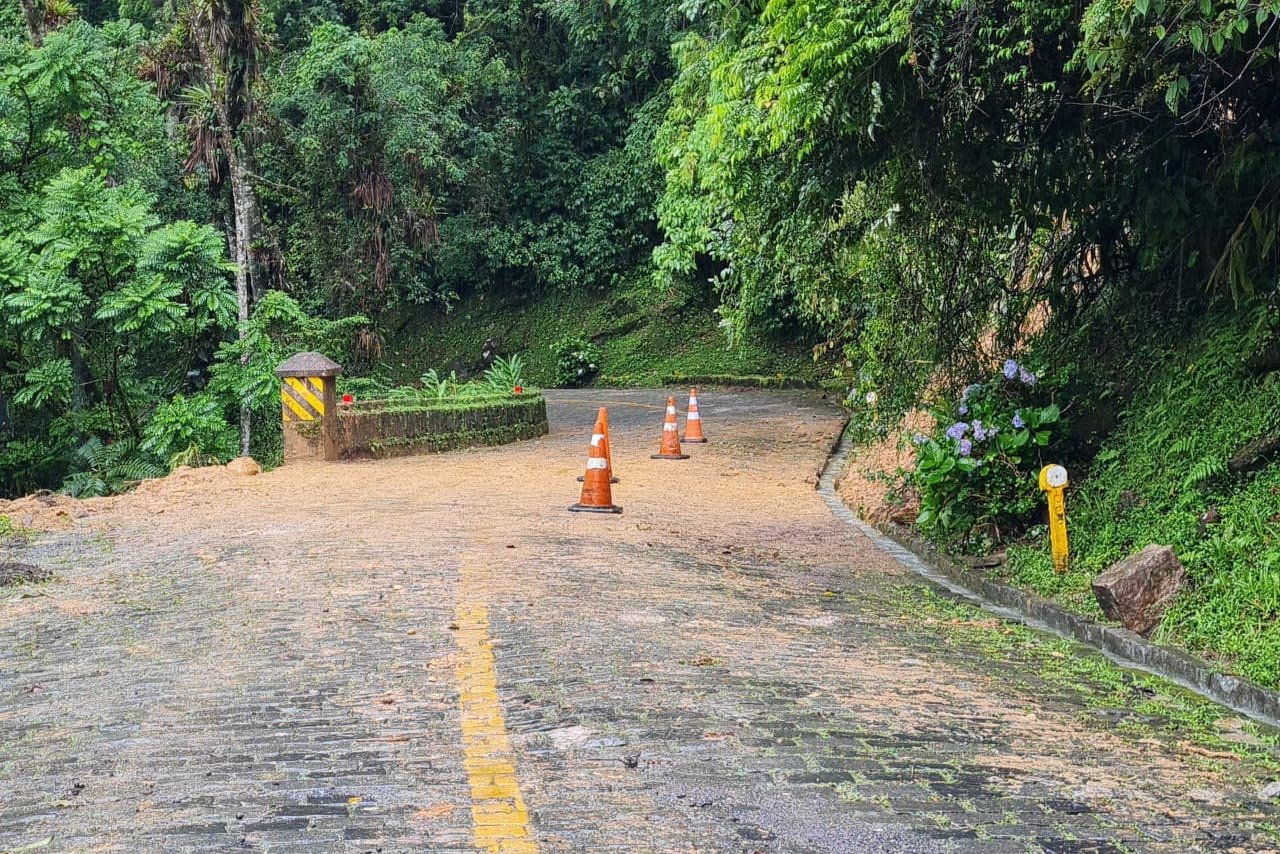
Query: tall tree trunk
[
  {"x": 244, "y": 206},
  {"x": 227, "y": 44},
  {"x": 82, "y": 383},
  {"x": 33, "y": 13},
  {"x": 244, "y": 210}
]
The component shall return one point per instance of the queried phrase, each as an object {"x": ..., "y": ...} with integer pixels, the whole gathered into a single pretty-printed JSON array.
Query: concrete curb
[{"x": 1120, "y": 645}]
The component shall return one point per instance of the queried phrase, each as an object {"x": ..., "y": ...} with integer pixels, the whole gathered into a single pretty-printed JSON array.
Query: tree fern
[{"x": 112, "y": 467}]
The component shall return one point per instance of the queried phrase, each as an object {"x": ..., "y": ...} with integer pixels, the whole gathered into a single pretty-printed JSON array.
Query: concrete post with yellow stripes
[{"x": 309, "y": 407}]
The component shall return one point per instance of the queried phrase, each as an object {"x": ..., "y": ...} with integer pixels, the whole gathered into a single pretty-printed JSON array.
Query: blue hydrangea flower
[
  {"x": 919, "y": 439},
  {"x": 1011, "y": 369},
  {"x": 966, "y": 447},
  {"x": 1018, "y": 423},
  {"x": 981, "y": 432},
  {"x": 1027, "y": 377},
  {"x": 956, "y": 431},
  {"x": 964, "y": 409}
]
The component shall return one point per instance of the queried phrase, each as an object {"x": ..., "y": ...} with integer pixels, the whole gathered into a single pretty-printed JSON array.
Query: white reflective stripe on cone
[
  {"x": 668, "y": 427},
  {"x": 596, "y": 439},
  {"x": 597, "y": 463},
  {"x": 671, "y": 410},
  {"x": 693, "y": 401},
  {"x": 693, "y": 416}
]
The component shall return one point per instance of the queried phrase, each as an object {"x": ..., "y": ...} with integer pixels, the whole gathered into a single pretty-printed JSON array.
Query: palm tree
[{"x": 213, "y": 57}]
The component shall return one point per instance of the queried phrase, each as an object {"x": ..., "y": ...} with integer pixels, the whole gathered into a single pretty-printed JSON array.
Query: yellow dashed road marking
[{"x": 497, "y": 809}]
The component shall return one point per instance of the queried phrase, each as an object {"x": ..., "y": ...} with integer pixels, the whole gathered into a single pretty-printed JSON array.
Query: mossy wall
[{"x": 399, "y": 430}]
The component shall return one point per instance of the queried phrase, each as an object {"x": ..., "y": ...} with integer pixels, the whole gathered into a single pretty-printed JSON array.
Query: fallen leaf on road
[
  {"x": 438, "y": 811},
  {"x": 1210, "y": 754}
]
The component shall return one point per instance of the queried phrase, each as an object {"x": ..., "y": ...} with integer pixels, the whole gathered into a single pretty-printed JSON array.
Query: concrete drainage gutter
[{"x": 1120, "y": 645}]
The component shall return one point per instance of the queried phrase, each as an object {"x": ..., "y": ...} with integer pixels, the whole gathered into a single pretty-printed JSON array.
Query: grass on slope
[
  {"x": 1160, "y": 472},
  {"x": 641, "y": 339}
]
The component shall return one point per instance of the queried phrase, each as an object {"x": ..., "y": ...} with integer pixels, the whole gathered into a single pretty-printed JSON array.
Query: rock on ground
[
  {"x": 1256, "y": 455},
  {"x": 244, "y": 466},
  {"x": 1137, "y": 590}
]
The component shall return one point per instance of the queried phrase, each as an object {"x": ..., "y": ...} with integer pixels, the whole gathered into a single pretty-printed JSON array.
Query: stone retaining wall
[{"x": 392, "y": 430}]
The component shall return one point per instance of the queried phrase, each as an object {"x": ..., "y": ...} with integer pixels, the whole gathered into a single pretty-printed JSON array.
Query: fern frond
[{"x": 1207, "y": 469}]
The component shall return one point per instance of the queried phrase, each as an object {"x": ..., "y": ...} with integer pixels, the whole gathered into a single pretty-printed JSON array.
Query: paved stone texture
[{"x": 272, "y": 664}]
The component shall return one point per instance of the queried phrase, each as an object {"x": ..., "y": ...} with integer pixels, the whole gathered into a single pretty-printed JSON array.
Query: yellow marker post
[
  {"x": 308, "y": 407},
  {"x": 1053, "y": 481}
]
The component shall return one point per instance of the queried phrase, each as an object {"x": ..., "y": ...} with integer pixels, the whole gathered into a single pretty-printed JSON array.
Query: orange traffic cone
[
  {"x": 693, "y": 421},
  {"x": 603, "y": 417},
  {"x": 597, "y": 497},
  {"x": 670, "y": 448}
]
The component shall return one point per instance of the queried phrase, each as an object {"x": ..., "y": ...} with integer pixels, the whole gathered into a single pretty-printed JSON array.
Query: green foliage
[
  {"x": 47, "y": 384},
  {"x": 577, "y": 361},
  {"x": 498, "y": 382},
  {"x": 417, "y": 158},
  {"x": 243, "y": 369},
  {"x": 1164, "y": 468},
  {"x": 109, "y": 301},
  {"x": 402, "y": 152},
  {"x": 644, "y": 336},
  {"x": 437, "y": 387},
  {"x": 109, "y": 469},
  {"x": 193, "y": 427},
  {"x": 977, "y": 476},
  {"x": 375, "y": 127},
  {"x": 363, "y": 388},
  {"x": 914, "y": 179},
  {"x": 506, "y": 374},
  {"x": 108, "y": 307}
]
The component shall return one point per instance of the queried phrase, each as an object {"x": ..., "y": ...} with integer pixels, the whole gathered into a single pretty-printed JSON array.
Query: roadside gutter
[{"x": 1122, "y": 646}]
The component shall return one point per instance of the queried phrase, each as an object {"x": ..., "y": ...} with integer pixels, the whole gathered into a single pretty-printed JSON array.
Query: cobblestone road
[{"x": 431, "y": 654}]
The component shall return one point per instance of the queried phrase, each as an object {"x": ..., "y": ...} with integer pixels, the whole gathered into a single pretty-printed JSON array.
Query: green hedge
[
  {"x": 393, "y": 428},
  {"x": 453, "y": 404}
]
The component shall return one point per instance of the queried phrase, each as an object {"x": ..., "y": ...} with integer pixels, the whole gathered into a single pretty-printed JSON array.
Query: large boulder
[{"x": 1135, "y": 591}]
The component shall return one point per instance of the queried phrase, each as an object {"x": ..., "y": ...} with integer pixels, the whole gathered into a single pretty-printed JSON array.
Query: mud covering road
[{"x": 432, "y": 654}]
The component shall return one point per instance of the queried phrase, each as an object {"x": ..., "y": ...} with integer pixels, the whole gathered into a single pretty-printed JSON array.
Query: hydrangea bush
[
  {"x": 976, "y": 475},
  {"x": 577, "y": 361}
]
